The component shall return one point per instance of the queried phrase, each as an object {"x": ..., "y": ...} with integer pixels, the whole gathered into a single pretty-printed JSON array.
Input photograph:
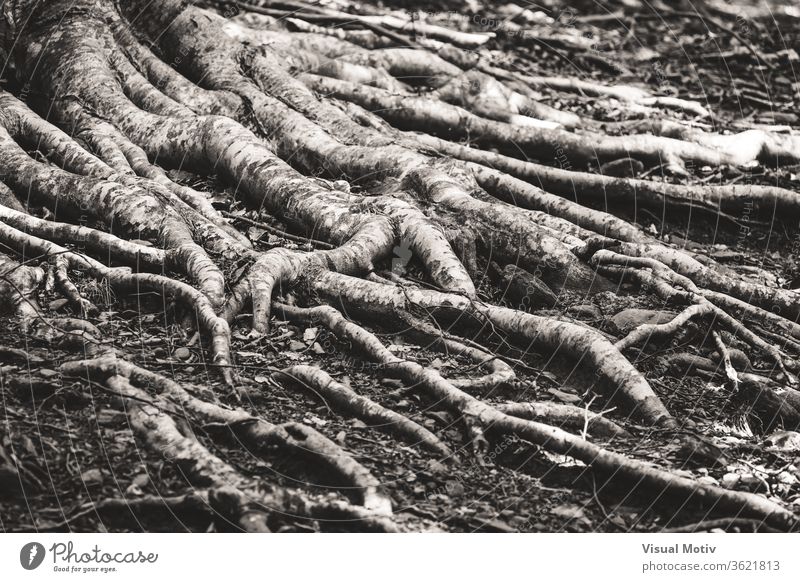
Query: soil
[{"x": 74, "y": 444}]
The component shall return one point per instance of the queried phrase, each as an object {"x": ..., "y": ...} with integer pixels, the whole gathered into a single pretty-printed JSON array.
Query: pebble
[
  {"x": 622, "y": 168},
  {"x": 92, "y": 477},
  {"x": 297, "y": 346},
  {"x": 141, "y": 480},
  {"x": 57, "y": 304},
  {"x": 586, "y": 311},
  {"x": 524, "y": 290},
  {"x": 787, "y": 440},
  {"x": 454, "y": 488},
  {"x": 182, "y": 353},
  {"x": 629, "y": 319},
  {"x": 107, "y": 416}
]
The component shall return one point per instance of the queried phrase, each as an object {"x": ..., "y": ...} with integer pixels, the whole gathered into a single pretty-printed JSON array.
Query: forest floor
[{"x": 76, "y": 447}]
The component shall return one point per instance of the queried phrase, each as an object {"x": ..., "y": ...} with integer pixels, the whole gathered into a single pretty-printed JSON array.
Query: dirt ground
[{"x": 75, "y": 446}]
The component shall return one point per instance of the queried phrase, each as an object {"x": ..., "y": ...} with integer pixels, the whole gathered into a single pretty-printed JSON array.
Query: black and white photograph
[{"x": 391, "y": 266}]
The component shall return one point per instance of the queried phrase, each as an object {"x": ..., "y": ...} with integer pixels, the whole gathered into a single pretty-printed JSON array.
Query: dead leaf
[{"x": 310, "y": 334}]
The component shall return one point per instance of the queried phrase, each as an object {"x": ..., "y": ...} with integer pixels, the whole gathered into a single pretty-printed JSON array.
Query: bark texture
[{"x": 357, "y": 146}]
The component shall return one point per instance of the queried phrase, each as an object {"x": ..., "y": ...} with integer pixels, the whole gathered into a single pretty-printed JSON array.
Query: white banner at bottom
[{"x": 389, "y": 557}]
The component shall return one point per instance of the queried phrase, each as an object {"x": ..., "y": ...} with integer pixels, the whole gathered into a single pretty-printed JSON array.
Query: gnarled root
[
  {"x": 307, "y": 127},
  {"x": 151, "y": 421},
  {"x": 341, "y": 398},
  {"x": 566, "y": 416}
]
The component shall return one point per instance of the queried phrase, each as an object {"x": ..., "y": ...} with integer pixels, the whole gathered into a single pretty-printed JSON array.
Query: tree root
[
  {"x": 18, "y": 286},
  {"x": 566, "y": 416},
  {"x": 122, "y": 277},
  {"x": 341, "y": 398},
  {"x": 161, "y": 433},
  {"x": 253, "y": 108},
  {"x": 483, "y": 415}
]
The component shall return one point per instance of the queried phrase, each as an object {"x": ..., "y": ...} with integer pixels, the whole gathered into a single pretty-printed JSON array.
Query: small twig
[
  {"x": 598, "y": 502},
  {"x": 279, "y": 232},
  {"x": 725, "y": 356},
  {"x": 585, "y": 431},
  {"x": 311, "y": 13}
]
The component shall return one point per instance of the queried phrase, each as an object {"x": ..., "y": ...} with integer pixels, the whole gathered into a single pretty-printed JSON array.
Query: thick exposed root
[
  {"x": 18, "y": 287},
  {"x": 566, "y": 416},
  {"x": 272, "y": 112},
  {"x": 580, "y": 343},
  {"x": 372, "y": 299},
  {"x": 159, "y": 431},
  {"x": 622, "y": 92},
  {"x": 123, "y": 278},
  {"x": 760, "y": 200},
  {"x": 341, "y": 398},
  {"x": 500, "y": 372},
  {"x": 660, "y": 280},
  {"x": 416, "y": 113}
]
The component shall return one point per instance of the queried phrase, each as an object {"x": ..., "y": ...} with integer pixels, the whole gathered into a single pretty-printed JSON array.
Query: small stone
[
  {"x": 629, "y": 319},
  {"x": 297, "y": 346},
  {"x": 786, "y": 478},
  {"x": 787, "y": 440},
  {"x": 57, "y": 304},
  {"x": 454, "y": 488},
  {"x": 726, "y": 255},
  {"x": 729, "y": 480},
  {"x": 107, "y": 416},
  {"x": 524, "y": 290},
  {"x": 391, "y": 383},
  {"x": 310, "y": 334},
  {"x": 134, "y": 491},
  {"x": 141, "y": 480},
  {"x": 92, "y": 477},
  {"x": 586, "y": 311},
  {"x": 564, "y": 396},
  {"x": 341, "y": 185},
  {"x": 708, "y": 480},
  {"x": 751, "y": 483},
  {"x": 739, "y": 359},
  {"x": 182, "y": 353},
  {"x": 315, "y": 420},
  {"x": 623, "y": 168}
]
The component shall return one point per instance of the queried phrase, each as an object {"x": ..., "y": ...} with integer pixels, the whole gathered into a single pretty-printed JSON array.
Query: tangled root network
[{"x": 231, "y": 175}]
